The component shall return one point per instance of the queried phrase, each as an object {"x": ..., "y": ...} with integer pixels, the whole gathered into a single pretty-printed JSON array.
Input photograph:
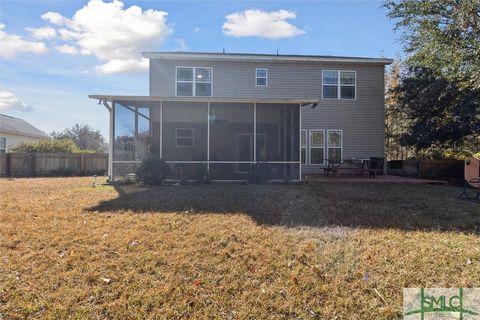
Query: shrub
[
  {"x": 48, "y": 146},
  {"x": 152, "y": 171}
]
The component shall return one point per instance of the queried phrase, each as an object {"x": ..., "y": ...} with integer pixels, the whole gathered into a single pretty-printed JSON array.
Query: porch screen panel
[
  {"x": 124, "y": 170},
  {"x": 187, "y": 171},
  {"x": 278, "y": 140},
  {"x": 231, "y": 140},
  {"x": 278, "y": 135},
  {"x": 132, "y": 137},
  {"x": 184, "y": 133},
  {"x": 124, "y": 141},
  {"x": 144, "y": 133},
  {"x": 155, "y": 117},
  {"x": 231, "y": 132},
  {"x": 278, "y": 171}
]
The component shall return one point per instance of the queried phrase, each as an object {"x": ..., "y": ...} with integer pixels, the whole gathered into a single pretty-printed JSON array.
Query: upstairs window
[
  {"x": 330, "y": 84},
  {"x": 203, "y": 82},
  {"x": 194, "y": 81},
  {"x": 184, "y": 81},
  {"x": 339, "y": 84},
  {"x": 184, "y": 137},
  {"x": 261, "y": 75},
  {"x": 3, "y": 144}
]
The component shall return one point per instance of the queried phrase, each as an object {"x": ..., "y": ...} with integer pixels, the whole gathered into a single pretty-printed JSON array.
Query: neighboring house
[
  {"x": 216, "y": 115},
  {"x": 14, "y": 130}
]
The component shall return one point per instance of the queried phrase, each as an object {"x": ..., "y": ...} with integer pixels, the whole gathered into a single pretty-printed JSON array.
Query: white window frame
[
  {"x": 194, "y": 80},
  {"x": 341, "y": 143},
  {"x": 176, "y": 138},
  {"x": 339, "y": 85},
  {"x": 304, "y": 146},
  {"x": 5, "y": 148},
  {"x": 310, "y": 147},
  {"x": 257, "y": 77}
]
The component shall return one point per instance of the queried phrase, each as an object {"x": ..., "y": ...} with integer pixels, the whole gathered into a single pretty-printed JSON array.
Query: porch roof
[{"x": 200, "y": 99}]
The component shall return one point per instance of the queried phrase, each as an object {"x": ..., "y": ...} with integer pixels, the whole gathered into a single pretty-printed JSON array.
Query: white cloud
[
  {"x": 114, "y": 35},
  {"x": 8, "y": 101},
  {"x": 42, "y": 33},
  {"x": 68, "y": 35},
  {"x": 123, "y": 65},
  {"x": 54, "y": 18},
  {"x": 258, "y": 23},
  {"x": 11, "y": 44},
  {"x": 67, "y": 49},
  {"x": 181, "y": 45}
]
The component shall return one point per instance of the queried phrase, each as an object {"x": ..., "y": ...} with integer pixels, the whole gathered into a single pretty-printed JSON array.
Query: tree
[
  {"x": 441, "y": 35},
  {"x": 440, "y": 88},
  {"x": 396, "y": 122},
  {"x": 439, "y": 112},
  {"x": 84, "y": 137}
]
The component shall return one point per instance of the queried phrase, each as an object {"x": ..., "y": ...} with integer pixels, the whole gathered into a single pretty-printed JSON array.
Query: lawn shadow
[{"x": 363, "y": 205}]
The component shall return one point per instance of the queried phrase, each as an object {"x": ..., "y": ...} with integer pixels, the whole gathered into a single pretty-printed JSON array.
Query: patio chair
[{"x": 472, "y": 178}]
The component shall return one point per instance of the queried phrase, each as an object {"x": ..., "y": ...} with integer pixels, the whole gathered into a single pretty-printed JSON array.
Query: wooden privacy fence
[
  {"x": 52, "y": 164},
  {"x": 449, "y": 170}
]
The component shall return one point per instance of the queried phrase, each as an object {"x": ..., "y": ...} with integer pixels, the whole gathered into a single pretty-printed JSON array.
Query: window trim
[
  {"x": 257, "y": 77},
  {"x": 193, "y": 82},
  {"x": 341, "y": 142},
  {"x": 310, "y": 131},
  {"x": 5, "y": 148},
  {"x": 184, "y": 146},
  {"x": 339, "y": 85}
]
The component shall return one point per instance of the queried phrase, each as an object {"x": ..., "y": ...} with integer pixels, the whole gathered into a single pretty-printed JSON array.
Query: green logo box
[{"x": 441, "y": 303}]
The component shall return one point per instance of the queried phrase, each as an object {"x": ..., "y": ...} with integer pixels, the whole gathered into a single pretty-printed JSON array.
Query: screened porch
[{"x": 215, "y": 139}]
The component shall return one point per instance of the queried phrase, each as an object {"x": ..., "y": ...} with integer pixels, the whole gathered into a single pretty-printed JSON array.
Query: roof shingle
[{"x": 9, "y": 124}]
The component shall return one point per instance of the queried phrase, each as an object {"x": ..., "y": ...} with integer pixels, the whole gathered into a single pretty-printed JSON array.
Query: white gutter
[{"x": 200, "y": 99}]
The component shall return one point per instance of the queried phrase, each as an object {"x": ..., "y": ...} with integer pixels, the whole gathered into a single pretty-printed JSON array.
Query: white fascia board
[
  {"x": 261, "y": 58},
  {"x": 200, "y": 99}
]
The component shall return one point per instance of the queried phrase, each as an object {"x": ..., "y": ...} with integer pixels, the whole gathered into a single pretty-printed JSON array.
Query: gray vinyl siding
[{"x": 361, "y": 119}]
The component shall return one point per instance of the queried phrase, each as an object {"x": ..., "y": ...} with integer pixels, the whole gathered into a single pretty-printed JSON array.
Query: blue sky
[{"x": 46, "y": 76}]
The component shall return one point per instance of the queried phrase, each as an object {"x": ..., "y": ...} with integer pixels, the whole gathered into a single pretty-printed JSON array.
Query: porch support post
[
  {"x": 255, "y": 134},
  {"x": 111, "y": 139},
  {"x": 208, "y": 139},
  {"x": 300, "y": 141},
  {"x": 161, "y": 129},
  {"x": 135, "y": 110}
]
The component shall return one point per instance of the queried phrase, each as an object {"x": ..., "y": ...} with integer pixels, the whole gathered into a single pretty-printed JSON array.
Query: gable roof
[
  {"x": 9, "y": 124},
  {"x": 255, "y": 57}
]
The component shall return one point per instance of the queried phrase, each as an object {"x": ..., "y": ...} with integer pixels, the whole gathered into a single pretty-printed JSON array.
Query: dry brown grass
[{"x": 228, "y": 251}]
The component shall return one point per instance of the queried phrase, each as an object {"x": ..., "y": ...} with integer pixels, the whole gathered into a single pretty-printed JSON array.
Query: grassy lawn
[{"x": 333, "y": 251}]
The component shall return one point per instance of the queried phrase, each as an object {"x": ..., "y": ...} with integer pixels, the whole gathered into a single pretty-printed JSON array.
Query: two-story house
[{"x": 225, "y": 116}]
